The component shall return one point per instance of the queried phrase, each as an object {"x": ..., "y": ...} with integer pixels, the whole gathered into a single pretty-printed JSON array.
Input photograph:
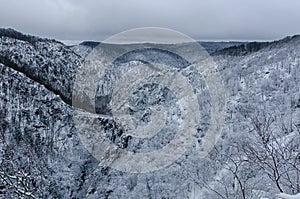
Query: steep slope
[
  {"x": 38, "y": 140},
  {"x": 45, "y": 61}
]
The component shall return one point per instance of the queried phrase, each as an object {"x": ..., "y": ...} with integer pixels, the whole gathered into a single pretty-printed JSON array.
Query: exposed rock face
[{"x": 38, "y": 136}]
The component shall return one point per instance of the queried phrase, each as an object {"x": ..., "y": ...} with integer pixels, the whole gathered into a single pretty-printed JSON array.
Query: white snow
[{"x": 287, "y": 196}]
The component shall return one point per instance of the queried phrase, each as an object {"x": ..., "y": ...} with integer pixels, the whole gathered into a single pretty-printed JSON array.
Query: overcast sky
[{"x": 200, "y": 19}]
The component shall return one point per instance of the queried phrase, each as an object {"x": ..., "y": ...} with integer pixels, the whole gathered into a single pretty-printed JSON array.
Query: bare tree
[
  {"x": 231, "y": 179},
  {"x": 276, "y": 151},
  {"x": 270, "y": 150}
]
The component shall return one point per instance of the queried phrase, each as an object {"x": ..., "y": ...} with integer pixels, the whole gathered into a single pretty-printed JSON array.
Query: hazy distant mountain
[
  {"x": 43, "y": 156},
  {"x": 212, "y": 47}
]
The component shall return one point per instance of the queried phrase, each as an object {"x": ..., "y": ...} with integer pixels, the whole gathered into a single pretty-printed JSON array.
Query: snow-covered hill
[{"x": 42, "y": 154}]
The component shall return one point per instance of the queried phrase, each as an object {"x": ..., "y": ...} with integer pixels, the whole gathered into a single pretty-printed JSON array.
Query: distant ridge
[
  {"x": 247, "y": 48},
  {"x": 231, "y": 48},
  {"x": 91, "y": 44},
  {"x": 9, "y": 32}
]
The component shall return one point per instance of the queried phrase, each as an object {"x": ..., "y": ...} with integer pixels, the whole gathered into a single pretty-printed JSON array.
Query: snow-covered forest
[{"x": 257, "y": 156}]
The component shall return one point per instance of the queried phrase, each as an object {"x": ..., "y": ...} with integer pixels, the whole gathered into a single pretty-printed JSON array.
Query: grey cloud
[{"x": 206, "y": 20}]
